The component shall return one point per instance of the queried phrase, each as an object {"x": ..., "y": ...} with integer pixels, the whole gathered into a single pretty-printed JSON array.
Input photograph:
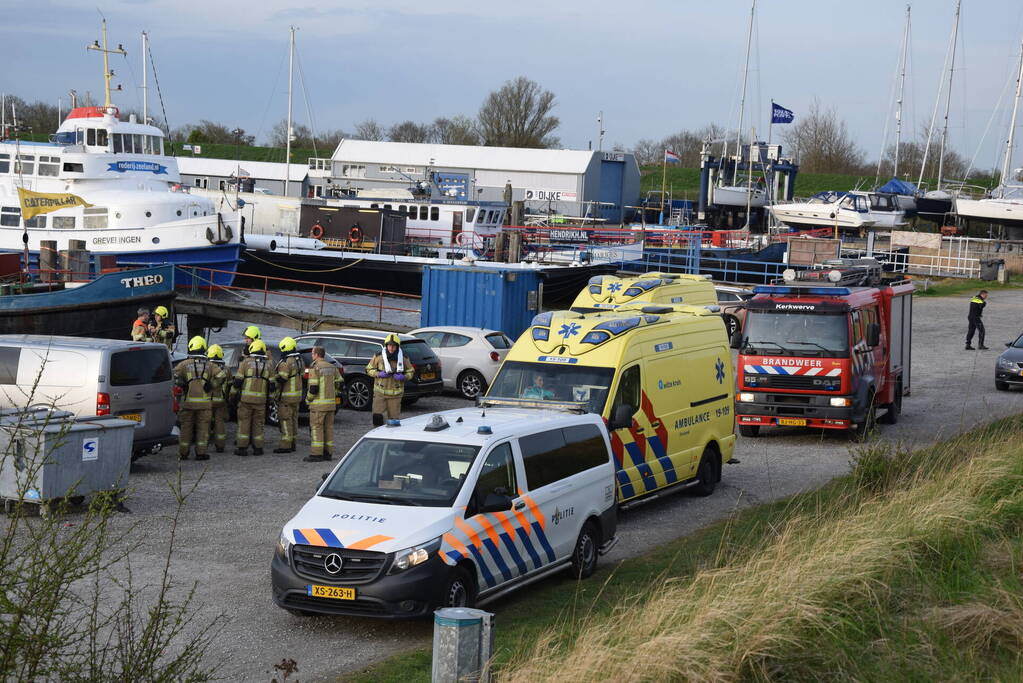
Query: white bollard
[{"x": 463, "y": 642}]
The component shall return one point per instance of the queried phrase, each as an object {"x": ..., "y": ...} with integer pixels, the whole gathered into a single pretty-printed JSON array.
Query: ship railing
[{"x": 204, "y": 284}]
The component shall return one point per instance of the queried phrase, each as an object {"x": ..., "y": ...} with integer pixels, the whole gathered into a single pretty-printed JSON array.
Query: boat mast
[
  {"x": 742, "y": 99},
  {"x": 949, "y": 59},
  {"x": 287, "y": 147},
  {"x": 145, "y": 89},
  {"x": 107, "y": 73},
  {"x": 948, "y": 97},
  {"x": 1012, "y": 124},
  {"x": 902, "y": 89}
]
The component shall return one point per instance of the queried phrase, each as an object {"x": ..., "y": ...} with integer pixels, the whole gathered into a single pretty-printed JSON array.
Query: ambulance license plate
[
  {"x": 792, "y": 421},
  {"x": 333, "y": 592},
  {"x": 428, "y": 375},
  {"x": 136, "y": 417}
]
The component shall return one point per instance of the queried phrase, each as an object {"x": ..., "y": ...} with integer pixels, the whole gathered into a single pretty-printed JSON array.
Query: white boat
[
  {"x": 739, "y": 195},
  {"x": 127, "y": 195},
  {"x": 844, "y": 210}
]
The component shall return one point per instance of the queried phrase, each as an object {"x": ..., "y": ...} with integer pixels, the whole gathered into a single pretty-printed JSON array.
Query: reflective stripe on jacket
[
  {"x": 324, "y": 385},
  {"x": 198, "y": 378},
  {"x": 387, "y": 386},
  {"x": 289, "y": 372},
  {"x": 140, "y": 331},
  {"x": 254, "y": 375}
]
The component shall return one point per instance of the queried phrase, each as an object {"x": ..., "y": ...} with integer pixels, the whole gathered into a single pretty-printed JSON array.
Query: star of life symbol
[
  {"x": 569, "y": 330},
  {"x": 614, "y": 287},
  {"x": 719, "y": 371}
]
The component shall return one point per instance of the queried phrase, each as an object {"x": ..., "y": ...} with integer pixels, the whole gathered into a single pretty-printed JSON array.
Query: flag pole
[
  {"x": 664, "y": 179},
  {"x": 770, "y": 125}
]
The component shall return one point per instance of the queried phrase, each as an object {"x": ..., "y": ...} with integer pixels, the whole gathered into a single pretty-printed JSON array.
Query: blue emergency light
[
  {"x": 816, "y": 291},
  {"x": 394, "y": 423}
]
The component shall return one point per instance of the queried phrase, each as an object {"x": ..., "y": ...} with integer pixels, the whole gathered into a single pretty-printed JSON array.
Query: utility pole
[
  {"x": 287, "y": 147},
  {"x": 600, "y": 131}
]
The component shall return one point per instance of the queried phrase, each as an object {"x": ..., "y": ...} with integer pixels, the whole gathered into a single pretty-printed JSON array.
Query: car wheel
[
  {"x": 731, "y": 324},
  {"x": 272, "y": 415},
  {"x": 707, "y": 473},
  {"x": 584, "y": 557},
  {"x": 459, "y": 590},
  {"x": 1001, "y": 386},
  {"x": 893, "y": 409},
  {"x": 752, "y": 431},
  {"x": 471, "y": 384},
  {"x": 359, "y": 393}
]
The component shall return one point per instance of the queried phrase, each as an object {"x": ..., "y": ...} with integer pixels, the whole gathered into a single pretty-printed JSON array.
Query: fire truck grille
[{"x": 789, "y": 382}]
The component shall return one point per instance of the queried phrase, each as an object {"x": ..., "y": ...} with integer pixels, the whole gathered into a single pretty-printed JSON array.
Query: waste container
[
  {"x": 989, "y": 268},
  {"x": 49, "y": 455}
]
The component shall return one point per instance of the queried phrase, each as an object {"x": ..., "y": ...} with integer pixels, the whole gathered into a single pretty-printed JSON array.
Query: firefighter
[
  {"x": 163, "y": 327},
  {"x": 198, "y": 379},
  {"x": 389, "y": 370},
  {"x": 253, "y": 383},
  {"x": 140, "y": 329},
  {"x": 977, "y": 305},
  {"x": 324, "y": 387},
  {"x": 250, "y": 335},
  {"x": 220, "y": 398},
  {"x": 288, "y": 376}
]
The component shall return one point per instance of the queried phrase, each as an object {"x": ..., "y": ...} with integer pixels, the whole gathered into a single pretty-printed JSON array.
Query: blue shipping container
[{"x": 504, "y": 299}]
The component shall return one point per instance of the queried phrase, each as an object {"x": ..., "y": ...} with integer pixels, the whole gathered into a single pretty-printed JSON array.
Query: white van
[
  {"x": 131, "y": 380},
  {"x": 449, "y": 510}
]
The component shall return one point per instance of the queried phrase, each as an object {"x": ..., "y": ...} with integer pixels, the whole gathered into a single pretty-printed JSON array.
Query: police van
[
  {"x": 448, "y": 510},
  {"x": 607, "y": 292},
  {"x": 660, "y": 376}
]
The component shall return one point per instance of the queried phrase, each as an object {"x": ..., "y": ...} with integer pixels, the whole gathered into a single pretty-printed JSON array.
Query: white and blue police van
[{"x": 451, "y": 509}]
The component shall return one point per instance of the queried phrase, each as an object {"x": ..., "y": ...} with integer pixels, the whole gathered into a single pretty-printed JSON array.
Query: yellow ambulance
[
  {"x": 660, "y": 376},
  {"x": 607, "y": 292}
]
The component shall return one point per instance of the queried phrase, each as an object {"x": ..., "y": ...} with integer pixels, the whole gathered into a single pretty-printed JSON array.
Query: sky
[{"x": 653, "y": 67}]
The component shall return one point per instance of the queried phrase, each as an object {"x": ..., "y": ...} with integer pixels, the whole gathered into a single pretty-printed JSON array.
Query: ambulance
[
  {"x": 607, "y": 292},
  {"x": 451, "y": 510},
  {"x": 660, "y": 376}
]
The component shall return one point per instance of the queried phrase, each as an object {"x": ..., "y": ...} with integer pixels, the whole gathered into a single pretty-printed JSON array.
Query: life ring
[
  {"x": 355, "y": 234},
  {"x": 462, "y": 238},
  {"x": 316, "y": 232}
]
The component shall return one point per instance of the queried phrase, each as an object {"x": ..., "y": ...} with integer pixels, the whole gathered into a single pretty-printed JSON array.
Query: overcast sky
[{"x": 652, "y": 66}]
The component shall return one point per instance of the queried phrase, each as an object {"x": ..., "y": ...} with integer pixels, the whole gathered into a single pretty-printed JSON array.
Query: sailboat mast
[
  {"x": 291, "y": 74},
  {"x": 902, "y": 89},
  {"x": 742, "y": 99},
  {"x": 948, "y": 97},
  {"x": 145, "y": 87},
  {"x": 1012, "y": 123}
]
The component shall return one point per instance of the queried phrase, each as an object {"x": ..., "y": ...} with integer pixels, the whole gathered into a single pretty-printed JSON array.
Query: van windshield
[
  {"x": 553, "y": 382},
  {"x": 398, "y": 472}
]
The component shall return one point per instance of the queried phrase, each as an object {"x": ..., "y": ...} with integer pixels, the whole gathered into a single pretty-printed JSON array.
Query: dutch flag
[{"x": 671, "y": 158}]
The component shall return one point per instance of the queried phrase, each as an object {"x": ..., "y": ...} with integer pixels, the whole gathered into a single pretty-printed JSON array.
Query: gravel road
[{"x": 233, "y": 517}]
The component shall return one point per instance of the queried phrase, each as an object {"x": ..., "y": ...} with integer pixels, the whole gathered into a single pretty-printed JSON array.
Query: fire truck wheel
[
  {"x": 866, "y": 426},
  {"x": 893, "y": 409},
  {"x": 752, "y": 431}
]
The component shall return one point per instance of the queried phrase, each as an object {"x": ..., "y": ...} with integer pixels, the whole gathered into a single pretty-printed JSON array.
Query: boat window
[
  {"x": 374, "y": 206},
  {"x": 36, "y": 221},
  {"x": 139, "y": 148},
  {"x": 90, "y": 136},
  {"x": 118, "y": 143},
  {"x": 25, "y": 164},
  {"x": 387, "y": 207},
  {"x": 65, "y": 138},
  {"x": 96, "y": 218},
  {"x": 490, "y": 216},
  {"x": 70, "y": 167},
  {"x": 470, "y": 214},
  {"x": 63, "y": 222},
  {"x": 5, "y": 163},
  {"x": 158, "y": 147},
  {"x": 10, "y": 216},
  {"x": 423, "y": 213},
  {"x": 49, "y": 166},
  {"x": 101, "y": 137},
  {"x": 434, "y": 213}
]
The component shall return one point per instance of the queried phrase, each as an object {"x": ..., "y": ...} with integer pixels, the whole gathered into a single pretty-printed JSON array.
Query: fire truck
[{"x": 828, "y": 347}]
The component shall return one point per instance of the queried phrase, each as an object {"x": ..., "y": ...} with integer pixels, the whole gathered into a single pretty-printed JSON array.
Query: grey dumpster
[
  {"x": 46, "y": 455},
  {"x": 989, "y": 268}
]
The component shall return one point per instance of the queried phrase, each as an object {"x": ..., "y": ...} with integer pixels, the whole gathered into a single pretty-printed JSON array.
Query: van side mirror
[
  {"x": 496, "y": 502},
  {"x": 873, "y": 334},
  {"x": 622, "y": 417}
]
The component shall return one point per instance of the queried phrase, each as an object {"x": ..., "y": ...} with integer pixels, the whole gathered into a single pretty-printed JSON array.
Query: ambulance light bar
[{"x": 815, "y": 291}]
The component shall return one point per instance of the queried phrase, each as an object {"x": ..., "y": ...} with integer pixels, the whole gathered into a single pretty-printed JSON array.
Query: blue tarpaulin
[{"x": 896, "y": 186}]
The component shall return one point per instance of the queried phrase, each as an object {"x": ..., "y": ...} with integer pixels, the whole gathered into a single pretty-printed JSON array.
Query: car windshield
[
  {"x": 553, "y": 382},
  {"x": 1018, "y": 344},
  {"x": 398, "y": 472},
  {"x": 784, "y": 333}
]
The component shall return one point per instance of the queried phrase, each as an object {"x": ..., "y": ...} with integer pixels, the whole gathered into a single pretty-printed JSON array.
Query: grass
[
  {"x": 906, "y": 569},
  {"x": 951, "y": 286}
]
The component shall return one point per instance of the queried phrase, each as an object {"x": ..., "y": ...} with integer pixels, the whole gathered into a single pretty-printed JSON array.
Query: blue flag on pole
[{"x": 780, "y": 114}]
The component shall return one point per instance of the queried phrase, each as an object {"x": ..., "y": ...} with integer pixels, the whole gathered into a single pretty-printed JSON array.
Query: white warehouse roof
[
  {"x": 266, "y": 170},
  {"x": 464, "y": 156}
]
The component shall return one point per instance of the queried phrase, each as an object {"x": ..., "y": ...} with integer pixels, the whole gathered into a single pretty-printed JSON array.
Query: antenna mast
[{"x": 107, "y": 73}]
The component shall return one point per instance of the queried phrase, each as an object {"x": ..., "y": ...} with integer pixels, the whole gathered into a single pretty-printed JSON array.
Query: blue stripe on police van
[
  {"x": 484, "y": 570},
  {"x": 454, "y": 555},
  {"x": 513, "y": 551},
  {"x": 542, "y": 537},
  {"x": 495, "y": 553},
  {"x": 524, "y": 537},
  {"x": 300, "y": 537},
  {"x": 330, "y": 539},
  {"x": 626, "y": 484}
]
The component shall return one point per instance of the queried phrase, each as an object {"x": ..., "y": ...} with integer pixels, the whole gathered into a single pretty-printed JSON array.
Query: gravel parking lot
[{"x": 232, "y": 519}]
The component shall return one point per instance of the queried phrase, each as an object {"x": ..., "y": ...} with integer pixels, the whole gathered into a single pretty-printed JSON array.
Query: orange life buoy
[
  {"x": 355, "y": 234},
  {"x": 316, "y": 232},
  {"x": 461, "y": 239}
]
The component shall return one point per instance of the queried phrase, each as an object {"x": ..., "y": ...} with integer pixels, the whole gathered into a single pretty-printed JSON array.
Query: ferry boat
[{"x": 120, "y": 193}]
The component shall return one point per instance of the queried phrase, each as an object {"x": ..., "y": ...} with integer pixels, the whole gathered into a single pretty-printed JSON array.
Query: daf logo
[{"x": 333, "y": 563}]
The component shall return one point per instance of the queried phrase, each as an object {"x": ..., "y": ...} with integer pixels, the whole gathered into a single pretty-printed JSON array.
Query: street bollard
[{"x": 463, "y": 642}]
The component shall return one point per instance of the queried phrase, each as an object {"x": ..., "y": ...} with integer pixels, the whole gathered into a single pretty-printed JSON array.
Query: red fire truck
[{"x": 820, "y": 351}]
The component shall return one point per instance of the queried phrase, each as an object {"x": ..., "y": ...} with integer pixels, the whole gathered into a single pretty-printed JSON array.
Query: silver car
[{"x": 469, "y": 356}]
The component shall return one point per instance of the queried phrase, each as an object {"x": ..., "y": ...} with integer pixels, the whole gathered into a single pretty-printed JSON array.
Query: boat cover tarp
[{"x": 896, "y": 186}]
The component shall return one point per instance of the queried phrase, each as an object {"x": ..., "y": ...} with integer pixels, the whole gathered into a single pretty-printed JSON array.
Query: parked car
[
  {"x": 470, "y": 356},
  {"x": 732, "y": 301},
  {"x": 1009, "y": 366},
  {"x": 355, "y": 348},
  {"x": 233, "y": 358}
]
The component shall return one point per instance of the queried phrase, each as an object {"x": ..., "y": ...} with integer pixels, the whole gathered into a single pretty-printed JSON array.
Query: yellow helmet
[
  {"x": 392, "y": 338},
  {"x": 252, "y": 332},
  {"x": 215, "y": 352},
  {"x": 257, "y": 347},
  {"x": 288, "y": 344},
  {"x": 196, "y": 343},
  {"x": 161, "y": 311}
]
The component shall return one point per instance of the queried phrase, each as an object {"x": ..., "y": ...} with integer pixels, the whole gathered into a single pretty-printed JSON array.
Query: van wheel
[
  {"x": 359, "y": 393},
  {"x": 707, "y": 473},
  {"x": 752, "y": 431},
  {"x": 459, "y": 590},
  {"x": 893, "y": 409},
  {"x": 584, "y": 557},
  {"x": 471, "y": 384}
]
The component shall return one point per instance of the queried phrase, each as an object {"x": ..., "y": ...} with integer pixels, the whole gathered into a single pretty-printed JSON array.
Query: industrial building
[
  {"x": 559, "y": 181},
  {"x": 263, "y": 177}
]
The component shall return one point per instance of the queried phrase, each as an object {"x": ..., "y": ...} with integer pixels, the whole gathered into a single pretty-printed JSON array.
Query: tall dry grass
[{"x": 742, "y": 620}]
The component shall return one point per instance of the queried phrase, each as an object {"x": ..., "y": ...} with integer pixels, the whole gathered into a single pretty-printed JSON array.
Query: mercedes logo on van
[{"x": 333, "y": 563}]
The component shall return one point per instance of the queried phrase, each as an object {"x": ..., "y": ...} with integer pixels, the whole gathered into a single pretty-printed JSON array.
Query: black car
[
  {"x": 356, "y": 348},
  {"x": 233, "y": 358},
  {"x": 1009, "y": 366}
]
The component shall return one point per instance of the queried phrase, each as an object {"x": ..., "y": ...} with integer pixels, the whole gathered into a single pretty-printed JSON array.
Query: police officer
[
  {"x": 163, "y": 327},
  {"x": 324, "y": 385},
  {"x": 253, "y": 381},
  {"x": 220, "y": 397},
  {"x": 977, "y": 305},
  {"x": 288, "y": 375},
  {"x": 389, "y": 370},
  {"x": 198, "y": 379},
  {"x": 140, "y": 329}
]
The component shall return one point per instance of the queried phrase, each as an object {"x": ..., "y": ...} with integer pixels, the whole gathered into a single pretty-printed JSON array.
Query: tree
[
  {"x": 369, "y": 130},
  {"x": 821, "y": 142},
  {"x": 410, "y": 131},
  {"x": 458, "y": 130},
  {"x": 647, "y": 152},
  {"x": 519, "y": 115},
  {"x": 911, "y": 156}
]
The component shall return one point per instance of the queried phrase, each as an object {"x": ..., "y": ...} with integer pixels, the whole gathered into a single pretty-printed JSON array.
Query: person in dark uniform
[{"x": 977, "y": 305}]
